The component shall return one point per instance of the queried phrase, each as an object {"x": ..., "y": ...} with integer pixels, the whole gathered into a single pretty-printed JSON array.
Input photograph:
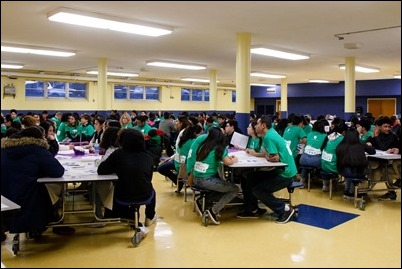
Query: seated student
[
  {"x": 363, "y": 126},
  {"x": 351, "y": 160},
  {"x": 105, "y": 189},
  {"x": 328, "y": 156},
  {"x": 261, "y": 185},
  {"x": 312, "y": 152},
  {"x": 384, "y": 139},
  {"x": 50, "y": 136},
  {"x": 153, "y": 146},
  {"x": 231, "y": 126},
  {"x": 85, "y": 128},
  {"x": 134, "y": 168},
  {"x": 204, "y": 159},
  {"x": 25, "y": 158},
  {"x": 186, "y": 140}
]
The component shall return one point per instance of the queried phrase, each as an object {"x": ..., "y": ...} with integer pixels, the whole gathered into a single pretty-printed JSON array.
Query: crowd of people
[{"x": 132, "y": 145}]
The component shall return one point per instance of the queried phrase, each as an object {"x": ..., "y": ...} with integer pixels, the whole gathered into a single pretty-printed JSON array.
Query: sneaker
[
  {"x": 144, "y": 230},
  {"x": 397, "y": 183},
  {"x": 149, "y": 222},
  {"x": 251, "y": 215},
  {"x": 389, "y": 195},
  {"x": 63, "y": 230},
  {"x": 286, "y": 216},
  {"x": 198, "y": 206},
  {"x": 213, "y": 217}
]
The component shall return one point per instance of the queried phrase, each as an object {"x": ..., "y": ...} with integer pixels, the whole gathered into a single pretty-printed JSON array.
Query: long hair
[
  {"x": 350, "y": 153},
  {"x": 215, "y": 140},
  {"x": 189, "y": 133}
]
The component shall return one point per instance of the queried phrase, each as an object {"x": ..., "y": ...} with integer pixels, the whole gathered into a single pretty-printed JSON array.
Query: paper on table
[{"x": 239, "y": 140}]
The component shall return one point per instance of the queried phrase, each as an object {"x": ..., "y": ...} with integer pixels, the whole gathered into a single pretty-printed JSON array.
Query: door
[{"x": 381, "y": 106}]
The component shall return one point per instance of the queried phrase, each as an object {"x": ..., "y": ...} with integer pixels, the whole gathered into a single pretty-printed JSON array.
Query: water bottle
[{"x": 96, "y": 148}]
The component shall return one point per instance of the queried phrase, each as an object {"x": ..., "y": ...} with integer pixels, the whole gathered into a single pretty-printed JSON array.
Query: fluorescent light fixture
[
  {"x": 172, "y": 64},
  {"x": 263, "y": 85},
  {"x": 116, "y": 74},
  {"x": 264, "y": 75},
  {"x": 318, "y": 81},
  {"x": 36, "y": 50},
  {"x": 11, "y": 66},
  {"x": 279, "y": 54},
  {"x": 397, "y": 76},
  {"x": 196, "y": 80},
  {"x": 96, "y": 20},
  {"x": 362, "y": 69}
]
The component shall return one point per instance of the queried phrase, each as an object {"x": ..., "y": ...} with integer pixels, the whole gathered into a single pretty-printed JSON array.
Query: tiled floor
[{"x": 371, "y": 239}]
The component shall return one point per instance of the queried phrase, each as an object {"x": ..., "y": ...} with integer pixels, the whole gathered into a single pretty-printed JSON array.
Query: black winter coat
[{"x": 23, "y": 161}]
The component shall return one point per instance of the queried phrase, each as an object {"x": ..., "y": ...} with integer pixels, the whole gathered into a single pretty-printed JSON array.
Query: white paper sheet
[{"x": 239, "y": 140}]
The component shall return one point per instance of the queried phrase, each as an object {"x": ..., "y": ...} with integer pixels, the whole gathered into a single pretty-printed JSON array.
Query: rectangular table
[
  {"x": 79, "y": 169},
  {"x": 387, "y": 159}
]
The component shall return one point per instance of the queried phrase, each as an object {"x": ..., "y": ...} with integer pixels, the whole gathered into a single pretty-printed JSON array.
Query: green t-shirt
[
  {"x": 61, "y": 131},
  {"x": 207, "y": 167},
  {"x": 144, "y": 129},
  {"x": 292, "y": 135},
  {"x": 254, "y": 143},
  {"x": 314, "y": 142},
  {"x": 275, "y": 144},
  {"x": 181, "y": 153},
  {"x": 328, "y": 157},
  {"x": 366, "y": 136}
]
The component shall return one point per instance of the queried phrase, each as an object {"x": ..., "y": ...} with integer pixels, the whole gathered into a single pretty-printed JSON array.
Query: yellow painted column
[
  {"x": 213, "y": 90},
  {"x": 350, "y": 88},
  {"x": 284, "y": 98},
  {"x": 102, "y": 98},
  {"x": 243, "y": 67}
]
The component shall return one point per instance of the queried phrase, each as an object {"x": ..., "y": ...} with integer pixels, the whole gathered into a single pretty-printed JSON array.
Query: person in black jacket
[
  {"x": 351, "y": 159},
  {"x": 386, "y": 140},
  {"x": 134, "y": 168},
  {"x": 25, "y": 158}
]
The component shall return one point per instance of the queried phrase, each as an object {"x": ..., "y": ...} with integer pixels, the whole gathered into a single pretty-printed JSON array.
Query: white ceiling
[{"x": 205, "y": 33}]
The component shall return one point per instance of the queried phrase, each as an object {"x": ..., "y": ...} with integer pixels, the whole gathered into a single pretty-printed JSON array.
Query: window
[
  {"x": 195, "y": 95},
  {"x": 55, "y": 89},
  {"x": 136, "y": 92}
]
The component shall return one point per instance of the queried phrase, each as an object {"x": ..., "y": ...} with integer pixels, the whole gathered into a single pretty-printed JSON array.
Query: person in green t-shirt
[
  {"x": 205, "y": 157},
  {"x": 261, "y": 185}
]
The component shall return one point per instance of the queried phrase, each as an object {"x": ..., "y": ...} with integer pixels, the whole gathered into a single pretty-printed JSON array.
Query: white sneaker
[
  {"x": 145, "y": 231},
  {"x": 149, "y": 222}
]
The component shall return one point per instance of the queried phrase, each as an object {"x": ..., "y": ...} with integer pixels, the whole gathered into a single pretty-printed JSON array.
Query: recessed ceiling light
[
  {"x": 265, "y": 75},
  {"x": 11, "y": 66},
  {"x": 263, "y": 85},
  {"x": 362, "y": 69},
  {"x": 172, "y": 64},
  {"x": 95, "y": 20},
  {"x": 116, "y": 74},
  {"x": 279, "y": 54},
  {"x": 36, "y": 50},
  {"x": 196, "y": 79}
]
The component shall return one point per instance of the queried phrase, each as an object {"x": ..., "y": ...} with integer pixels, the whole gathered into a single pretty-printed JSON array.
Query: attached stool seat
[
  {"x": 201, "y": 195},
  {"x": 331, "y": 177},
  {"x": 358, "y": 201},
  {"x": 138, "y": 233},
  {"x": 310, "y": 170}
]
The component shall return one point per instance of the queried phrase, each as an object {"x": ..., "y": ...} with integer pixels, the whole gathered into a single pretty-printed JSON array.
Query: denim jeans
[
  {"x": 309, "y": 160},
  {"x": 168, "y": 170},
  {"x": 224, "y": 191},
  {"x": 260, "y": 185}
]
